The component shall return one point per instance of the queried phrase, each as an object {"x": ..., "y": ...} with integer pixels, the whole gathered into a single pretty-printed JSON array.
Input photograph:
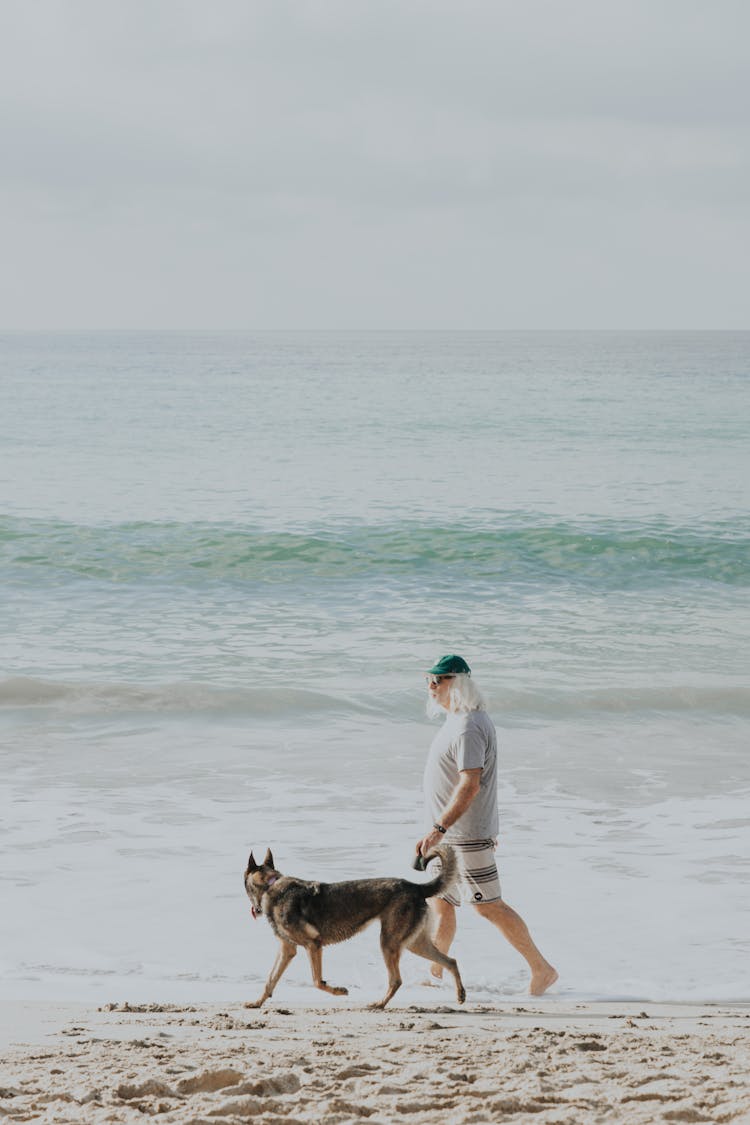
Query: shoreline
[
  {"x": 28, "y": 1023},
  {"x": 556, "y": 1059}
]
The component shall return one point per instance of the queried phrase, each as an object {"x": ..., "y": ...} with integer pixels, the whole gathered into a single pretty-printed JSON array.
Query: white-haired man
[{"x": 460, "y": 789}]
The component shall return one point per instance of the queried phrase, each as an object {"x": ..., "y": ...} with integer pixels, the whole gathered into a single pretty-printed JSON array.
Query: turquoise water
[{"x": 226, "y": 561}]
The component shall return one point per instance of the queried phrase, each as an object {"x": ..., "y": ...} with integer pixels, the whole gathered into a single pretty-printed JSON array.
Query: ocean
[{"x": 227, "y": 560}]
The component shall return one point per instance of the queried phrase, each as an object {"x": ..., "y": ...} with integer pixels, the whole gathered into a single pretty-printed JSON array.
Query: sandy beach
[{"x": 553, "y": 1061}]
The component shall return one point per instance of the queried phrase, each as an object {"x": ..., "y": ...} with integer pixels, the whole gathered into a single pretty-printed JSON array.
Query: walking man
[{"x": 460, "y": 789}]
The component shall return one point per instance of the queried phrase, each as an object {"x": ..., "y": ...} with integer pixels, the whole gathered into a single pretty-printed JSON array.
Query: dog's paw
[
  {"x": 340, "y": 991},
  {"x": 461, "y": 996},
  {"x": 253, "y": 1003},
  {"x": 377, "y": 1006}
]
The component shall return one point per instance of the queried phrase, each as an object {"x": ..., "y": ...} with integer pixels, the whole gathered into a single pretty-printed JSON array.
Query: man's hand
[
  {"x": 428, "y": 842},
  {"x": 462, "y": 796}
]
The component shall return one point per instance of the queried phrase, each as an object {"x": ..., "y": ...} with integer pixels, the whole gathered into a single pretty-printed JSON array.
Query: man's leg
[
  {"x": 514, "y": 929},
  {"x": 444, "y": 929}
]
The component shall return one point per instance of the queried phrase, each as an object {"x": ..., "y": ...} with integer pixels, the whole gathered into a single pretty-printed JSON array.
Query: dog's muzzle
[{"x": 256, "y": 910}]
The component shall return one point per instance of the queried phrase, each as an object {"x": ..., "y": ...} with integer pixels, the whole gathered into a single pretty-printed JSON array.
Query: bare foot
[
  {"x": 542, "y": 979},
  {"x": 435, "y": 978}
]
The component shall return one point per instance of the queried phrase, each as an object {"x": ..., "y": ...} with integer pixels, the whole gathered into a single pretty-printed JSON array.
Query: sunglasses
[{"x": 437, "y": 680}]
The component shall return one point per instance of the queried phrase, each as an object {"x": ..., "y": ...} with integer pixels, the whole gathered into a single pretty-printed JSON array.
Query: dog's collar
[{"x": 272, "y": 880}]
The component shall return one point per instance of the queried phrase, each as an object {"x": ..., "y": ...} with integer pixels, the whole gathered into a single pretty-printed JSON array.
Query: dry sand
[{"x": 553, "y": 1061}]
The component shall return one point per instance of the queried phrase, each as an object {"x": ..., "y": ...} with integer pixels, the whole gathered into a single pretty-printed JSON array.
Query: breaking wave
[
  {"x": 21, "y": 693},
  {"x": 605, "y": 554}
]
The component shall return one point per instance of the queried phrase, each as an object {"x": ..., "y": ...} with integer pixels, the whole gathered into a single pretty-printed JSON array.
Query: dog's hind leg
[
  {"x": 422, "y": 945},
  {"x": 286, "y": 952},
  {"x": 392, "y": 956},
  {"x": 315, "y": 953}
]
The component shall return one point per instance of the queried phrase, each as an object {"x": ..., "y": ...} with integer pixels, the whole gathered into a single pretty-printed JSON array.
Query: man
[{"x": 460, "y": 788}]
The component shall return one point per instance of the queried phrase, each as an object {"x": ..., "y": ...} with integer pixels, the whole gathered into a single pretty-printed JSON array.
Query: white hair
[{"x": 464, "y": 696}]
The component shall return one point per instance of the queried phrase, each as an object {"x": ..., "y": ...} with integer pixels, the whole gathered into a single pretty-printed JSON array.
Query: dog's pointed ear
[
  {"x": 251, "y": 864},
  {"x": 268, "y": 861}
]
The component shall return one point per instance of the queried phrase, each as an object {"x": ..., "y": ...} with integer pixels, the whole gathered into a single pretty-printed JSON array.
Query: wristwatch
[{"x": 439, "y": 828}]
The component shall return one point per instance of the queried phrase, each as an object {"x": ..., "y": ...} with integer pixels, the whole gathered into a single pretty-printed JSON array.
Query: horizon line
[{"x": 200, "y": 330}]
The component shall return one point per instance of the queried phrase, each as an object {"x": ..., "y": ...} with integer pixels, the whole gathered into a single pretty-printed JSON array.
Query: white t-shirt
[{"x": 466, "y": 741}]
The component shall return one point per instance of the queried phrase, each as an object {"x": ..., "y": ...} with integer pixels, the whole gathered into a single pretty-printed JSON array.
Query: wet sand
[{"x": 553, "y": 1061}]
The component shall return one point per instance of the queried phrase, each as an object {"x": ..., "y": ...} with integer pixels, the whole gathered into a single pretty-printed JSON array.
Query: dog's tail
[{"x": 448, "y": 874}]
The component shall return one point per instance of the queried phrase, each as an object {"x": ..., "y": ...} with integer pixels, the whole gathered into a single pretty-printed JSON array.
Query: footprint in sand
[
  {"x": 209, "y": 1080},
  {"x": 152, "y": 1088}
]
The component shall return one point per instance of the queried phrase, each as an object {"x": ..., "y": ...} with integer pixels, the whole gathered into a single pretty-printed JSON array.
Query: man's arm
[{"x": 461, "y": 798}]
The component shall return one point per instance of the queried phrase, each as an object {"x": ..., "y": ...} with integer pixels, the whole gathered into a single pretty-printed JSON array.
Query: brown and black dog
[{"x": 316, "y": 914}]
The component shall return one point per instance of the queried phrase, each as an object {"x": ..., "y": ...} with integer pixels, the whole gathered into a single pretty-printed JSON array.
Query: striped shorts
[{"x": 478, "y": 878}]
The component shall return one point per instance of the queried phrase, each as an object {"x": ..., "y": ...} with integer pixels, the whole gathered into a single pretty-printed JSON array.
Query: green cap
[{"x": 450, "y": 664}]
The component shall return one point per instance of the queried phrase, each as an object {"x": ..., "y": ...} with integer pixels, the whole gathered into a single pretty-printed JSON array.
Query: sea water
[{"x": 228, "y": 559}]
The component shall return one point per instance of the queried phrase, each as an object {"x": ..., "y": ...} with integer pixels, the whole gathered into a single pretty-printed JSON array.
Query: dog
[{"x": 312, "y": 915}]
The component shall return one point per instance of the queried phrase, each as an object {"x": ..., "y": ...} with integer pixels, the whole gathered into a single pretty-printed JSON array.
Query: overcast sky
[{"x": 375, "y": 164}]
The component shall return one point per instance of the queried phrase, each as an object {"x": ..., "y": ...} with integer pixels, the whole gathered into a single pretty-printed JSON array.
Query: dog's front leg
[
  {"x": 315, "y": 953},
  {"x": 284, "y": 956}
]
